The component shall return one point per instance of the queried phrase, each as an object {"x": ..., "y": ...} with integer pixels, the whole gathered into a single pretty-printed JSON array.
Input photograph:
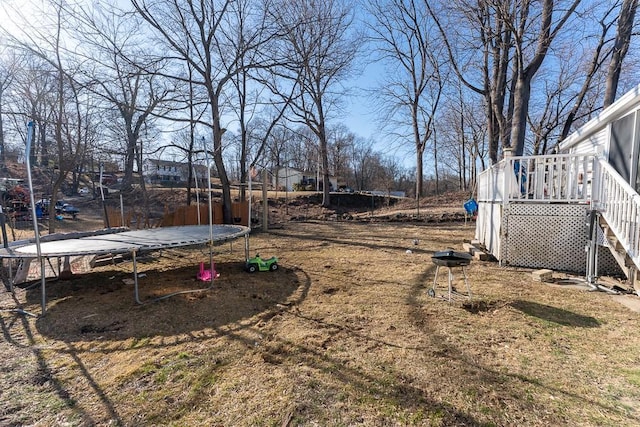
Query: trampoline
[{"x": 121, "y": 242}]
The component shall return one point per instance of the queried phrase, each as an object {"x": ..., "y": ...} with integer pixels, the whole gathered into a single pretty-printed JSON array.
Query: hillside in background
[{"x": 283, "y": 207}]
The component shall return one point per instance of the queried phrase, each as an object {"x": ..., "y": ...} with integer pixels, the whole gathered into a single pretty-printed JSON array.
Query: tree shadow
[
  {"x": 101, "y": 305},
  {"x": 555, "y": 315}
]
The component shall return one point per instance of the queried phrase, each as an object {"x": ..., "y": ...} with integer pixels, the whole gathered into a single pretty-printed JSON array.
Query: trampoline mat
[{"x": 125, "y": 241}]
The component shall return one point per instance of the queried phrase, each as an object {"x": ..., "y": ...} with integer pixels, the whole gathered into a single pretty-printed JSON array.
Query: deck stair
[
  {"x": 621, "y": 256},
  {"x": 526, "y": 187},
  {"x": 618, "y": 204}
]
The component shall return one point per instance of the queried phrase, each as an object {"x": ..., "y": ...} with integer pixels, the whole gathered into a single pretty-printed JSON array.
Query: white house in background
[
  {"x": 158, "y": 171},
  {"x": 544, "y": 211},
  {"x": 288, "y": 179}
]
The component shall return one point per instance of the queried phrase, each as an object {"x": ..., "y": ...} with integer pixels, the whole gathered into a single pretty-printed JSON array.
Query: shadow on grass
[
  {"x": 446, "y": 350},
  {"x": 100, "y": 306},
  {"x": 17, "y": 331},
  {"x": 555, "y": 315}
]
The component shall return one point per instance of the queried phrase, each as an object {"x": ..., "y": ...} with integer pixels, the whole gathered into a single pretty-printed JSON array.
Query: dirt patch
[{"x": 343, "y": 333}]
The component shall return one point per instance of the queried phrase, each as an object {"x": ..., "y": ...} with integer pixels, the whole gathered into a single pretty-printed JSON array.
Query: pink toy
[{"x": 205, "y": 275}]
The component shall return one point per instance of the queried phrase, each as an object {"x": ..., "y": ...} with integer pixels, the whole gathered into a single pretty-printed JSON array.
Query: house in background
[
  {"x": 290, "y": 179},
  {"x": 165, "y": 172},
  {"x": 576, "y": 211}
]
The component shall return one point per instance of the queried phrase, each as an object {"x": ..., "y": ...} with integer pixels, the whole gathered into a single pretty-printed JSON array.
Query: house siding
[
  {"x": 597, "y": 143},
  {"x": 287, "y": 178}
]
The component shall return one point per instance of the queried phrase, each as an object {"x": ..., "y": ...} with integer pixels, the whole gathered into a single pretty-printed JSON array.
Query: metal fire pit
[{"x": 450, "y": 259}]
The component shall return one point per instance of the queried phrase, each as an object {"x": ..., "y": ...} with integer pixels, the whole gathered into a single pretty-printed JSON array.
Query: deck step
[
  {"x": 622, "y": 257},
  {"x": 634, "y": 279}
]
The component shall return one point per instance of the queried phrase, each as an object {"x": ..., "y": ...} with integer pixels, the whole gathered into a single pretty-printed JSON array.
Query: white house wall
[
  {"x": 287, "y": 177},
  {"x": 628, "y": 102},
  {"x": 597, "y": 143}
]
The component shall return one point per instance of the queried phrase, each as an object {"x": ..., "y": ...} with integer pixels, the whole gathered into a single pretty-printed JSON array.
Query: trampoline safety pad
[{"x": 126, "y": 241}]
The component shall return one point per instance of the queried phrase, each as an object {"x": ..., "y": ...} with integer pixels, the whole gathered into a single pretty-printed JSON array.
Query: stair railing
[{"x": 619, "y": 205}]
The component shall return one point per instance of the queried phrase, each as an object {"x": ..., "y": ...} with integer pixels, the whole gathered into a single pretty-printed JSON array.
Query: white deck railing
[
  {"x": 491, "y": 184},
  {"x": 568, "y": 178},
  {"x": 551, "y": 178},
  {"x": 619, "y": 205}
]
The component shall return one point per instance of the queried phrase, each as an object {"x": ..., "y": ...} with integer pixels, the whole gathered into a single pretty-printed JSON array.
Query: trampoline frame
[
  {"x": 34, "y": 248},
  {"x": 112, "y": 242}
]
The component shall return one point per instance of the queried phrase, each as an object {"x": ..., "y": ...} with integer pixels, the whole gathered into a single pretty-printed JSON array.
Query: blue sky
[{"x": 358, "y": 114}]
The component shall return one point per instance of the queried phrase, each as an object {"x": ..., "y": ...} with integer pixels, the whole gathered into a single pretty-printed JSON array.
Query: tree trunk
[
  {"x": 243, "y": 136},
  {"x": 463, "y": 148},
  {"x": 219, "y": 162},
  {"x": 3, "y": 158},
  {"x": 620, "y": 48},
  {"x": 192, "y": 136},
  {"x": 492, "y": 132},
  {"x": 129, "y": 161},
  {"x": 44, "y": 146},
  {"x": 419, "y": 173},
  {"x": 521, "y": 97},
  {"x": 324, "y": 158}
]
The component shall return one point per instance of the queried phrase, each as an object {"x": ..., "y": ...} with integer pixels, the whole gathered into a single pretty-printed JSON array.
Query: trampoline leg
[
  {"x": 246, "y": 247},
  {"x": 450, "y": 280},
  {"x": 43, "y": 281},
  {"x": 135, "y": 277}
]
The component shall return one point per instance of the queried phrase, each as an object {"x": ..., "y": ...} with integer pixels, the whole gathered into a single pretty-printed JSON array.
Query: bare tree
[
  {"x": 203, "y": 35},
  {"x": 512, "y": 39},
  {"x": 9, "y": 65},
  {"x": 271, "y": 141},
  {"x": 32, "y": 95},
  {"x": 568, "y": 86},
  {"x": 65, "y": 111},
  {"x": 341, "y": 140},
  {"x": 118, "y": 71},
  {"x": 317, "y": 51},
  {"x": 621, "y": 47},
  {"x": 253, "y": 84},
  {"x": 361, "y": 160},
  {"x": 599, "y": 55},
  {"x": 300, "y": 151},
  {"x": 414, "y": 83},
  {"x": 526, "y": 68},
  {"x": 487, "y": 72}
]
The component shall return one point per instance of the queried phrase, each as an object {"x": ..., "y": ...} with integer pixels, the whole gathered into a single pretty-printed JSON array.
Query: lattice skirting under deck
[{"x": 543, "y": 235}]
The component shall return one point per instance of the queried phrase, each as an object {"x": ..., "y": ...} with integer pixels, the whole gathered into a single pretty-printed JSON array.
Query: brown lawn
[{"x": 343, "y": 333}]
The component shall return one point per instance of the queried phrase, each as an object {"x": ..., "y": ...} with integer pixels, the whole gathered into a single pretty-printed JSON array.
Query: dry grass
[{"x": 343, "y": 334}]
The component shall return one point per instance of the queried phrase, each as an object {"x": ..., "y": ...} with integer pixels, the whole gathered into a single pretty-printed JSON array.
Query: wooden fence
[{"x": 182, "y": 215}]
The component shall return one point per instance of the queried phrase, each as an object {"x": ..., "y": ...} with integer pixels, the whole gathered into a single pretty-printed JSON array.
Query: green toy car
[{"x": 258, "y": 264}]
